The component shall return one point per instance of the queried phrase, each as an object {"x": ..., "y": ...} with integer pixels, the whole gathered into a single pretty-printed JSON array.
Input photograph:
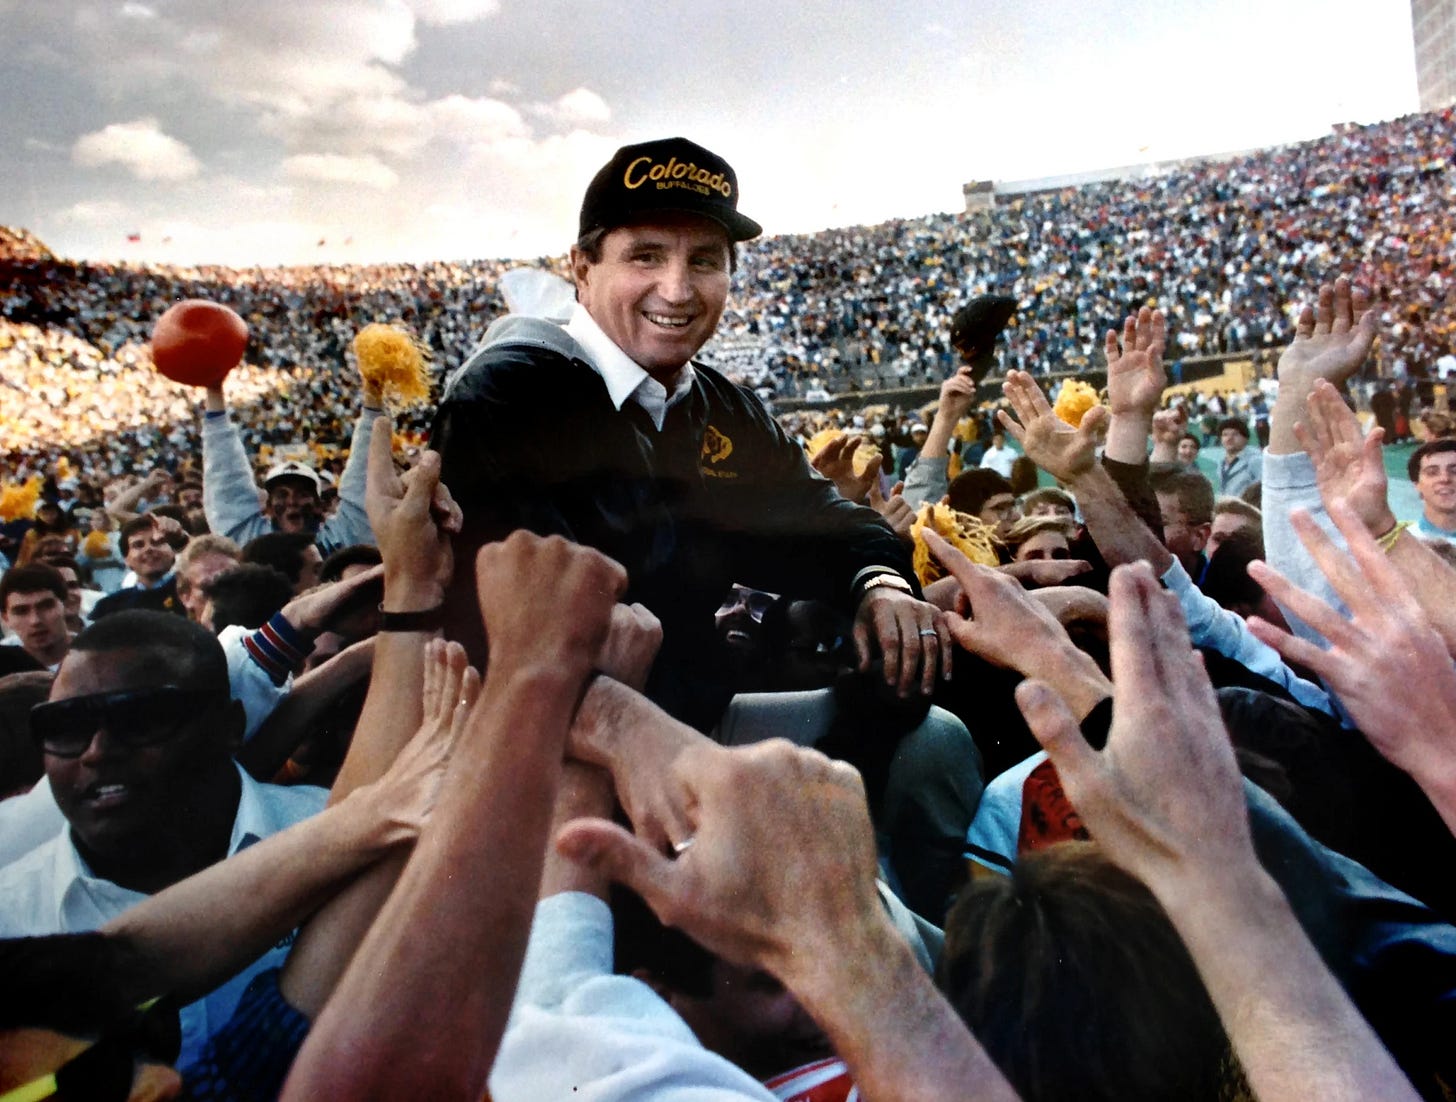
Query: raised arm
[
  {"x": 1386, "y": 642},
  {"x": 1135, "y": 384},
  {"x": 1331, "y": 341},
  {"x": 927, "y": 479},
  {"x": 1123, "y": 538},
  {"x": 350, "y": 523},
  {"x": 779, "y": 874},
  {"x": 413, "y": 517},
  {"x": 1165, "y": 800},
  {"x": 1350, "y": 470},
  {"x": 420, "y": 1011}
]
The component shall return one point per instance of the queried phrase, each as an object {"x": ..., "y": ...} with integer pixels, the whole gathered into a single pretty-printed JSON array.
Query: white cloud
[
  {"x": 582, "y": 106},
  {"x": 138, "y": 146},
  {"x": 332, "y": 168},
  {"x": 133, "y": 10},
  {"x": 443, "y": 13},
  {"x": 96, "y": 212}
]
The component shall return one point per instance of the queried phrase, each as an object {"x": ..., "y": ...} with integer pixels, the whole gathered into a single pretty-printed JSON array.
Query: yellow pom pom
[
  {"x": 1073, "y": 401},
  {"x": 96, "y": 545},
  {"x": 968, "y": 534},
  {"x": 863, "y": 455},
  {"x": 18, "y": 502},
  {"x": 393, "y": 361}
]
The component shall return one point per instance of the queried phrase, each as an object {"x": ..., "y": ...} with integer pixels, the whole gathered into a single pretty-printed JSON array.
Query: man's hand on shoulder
[{"x": 910, "y": 635}]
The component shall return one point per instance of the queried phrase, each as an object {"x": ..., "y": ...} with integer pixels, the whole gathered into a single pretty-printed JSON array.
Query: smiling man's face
[
  {"x": 121, "y": 799},
  {"x": 658, "y": 289},
  {"x": 1436, "y": 485}
]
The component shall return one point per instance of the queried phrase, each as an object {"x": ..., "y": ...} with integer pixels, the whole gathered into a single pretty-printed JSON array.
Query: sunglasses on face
[
  {"x": 103, "y": 1072},
  {"x": 131, "y": 717},
  {"x": 755, "y": 601}
]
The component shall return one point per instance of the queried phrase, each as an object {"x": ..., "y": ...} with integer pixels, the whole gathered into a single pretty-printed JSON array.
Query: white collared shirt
[
  {"x": 624, "y": 376},
  {"x": 51, "y": 890}
]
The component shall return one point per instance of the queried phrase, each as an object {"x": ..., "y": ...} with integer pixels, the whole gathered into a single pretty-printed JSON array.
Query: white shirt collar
[
  {"x": 625, "y": 378},
  {"x": 252, "y": 823}
]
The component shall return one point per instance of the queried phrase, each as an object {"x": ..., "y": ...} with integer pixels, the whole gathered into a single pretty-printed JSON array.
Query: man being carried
[{"x": 606, "y": 431}]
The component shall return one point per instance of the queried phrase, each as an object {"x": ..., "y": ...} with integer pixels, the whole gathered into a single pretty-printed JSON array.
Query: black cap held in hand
[{"x": 672, "y": 174}]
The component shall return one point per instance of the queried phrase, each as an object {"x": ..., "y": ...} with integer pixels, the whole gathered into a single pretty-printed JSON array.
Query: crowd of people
[
  {"x": 866, "y": 307},
  {"x": 593, "y": 734}
]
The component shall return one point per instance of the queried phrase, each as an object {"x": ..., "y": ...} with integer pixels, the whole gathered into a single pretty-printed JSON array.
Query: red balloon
[{"x": 197, "y": 342}]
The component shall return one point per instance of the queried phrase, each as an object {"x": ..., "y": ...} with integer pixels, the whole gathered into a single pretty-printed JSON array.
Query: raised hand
[
  {"x": 1049, "y": 442},
  {"x": 1349, "y": 468},
  {"x": 1169, "y": 425},
  {"x": 781, "y": 854},
  {"x": 1164, "y": 798},
  {"x": 546, "y": 602},
  {"x": 957, "y": 394},
  {"x": 1008, "y": 627},
  {"x": 1046, "y": 571},
  {"x": 412, "y": 517},
  {"x": 631, "y": 646},
  {"x": 1386, "y": 644},
  {"x": 409, "y": 789},
  {"x": 835, "y": 462},
  {"x": 898, "y": 513},
  {"x": 1332, "y": 338},
  {"x": 1135, "y": 376}
]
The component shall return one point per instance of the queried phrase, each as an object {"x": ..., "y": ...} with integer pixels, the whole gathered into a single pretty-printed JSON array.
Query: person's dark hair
[
  {"x": 1238, "y": 424},
  {"x": 1227, "y": 578},
  {"x": 144, "y": 523},
  {"x": 589, "y": 245},
  {"x": 1197, "y": 443},
  {"x": 21, "y": 761},
  {"x": 1193, "y": 492},
  {"x": 358, "y": 554},
  {"x": 34, "y": 577},
  {"x": 1430, "y": 447},
  {"x": 669, "y": 956},
  {"x": 1024, "y": 475},
  {"x": 247, "y": 595},
  {"x": 75, "y": 984},
  {"x": 283, "y": 551},
  {"x": 970, "y": 490},
  {"x": 194, "y": 659},
  {"x": 1070, "y": 974},
  {"x": 1253, "y": 494}
]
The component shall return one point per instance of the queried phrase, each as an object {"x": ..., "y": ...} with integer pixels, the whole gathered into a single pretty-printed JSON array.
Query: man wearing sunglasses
[{"x": 137, "y": 739}]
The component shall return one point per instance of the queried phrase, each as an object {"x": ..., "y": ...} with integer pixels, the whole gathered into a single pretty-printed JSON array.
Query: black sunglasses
[
  {"x": 103, "y": 1072},
  {"x": 132, "y": 717}
]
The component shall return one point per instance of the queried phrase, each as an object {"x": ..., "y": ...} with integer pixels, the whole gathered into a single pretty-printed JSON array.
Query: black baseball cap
[{"x": 671, "y": 174}]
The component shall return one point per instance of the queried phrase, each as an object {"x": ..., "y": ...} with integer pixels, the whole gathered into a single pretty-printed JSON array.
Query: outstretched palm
[
  {"x": 1049, "y": 442},
  {"x": 1135, "y": 376},
  {"x": 1348, "y": 467},
  {"x": 1332, "y": 339}
]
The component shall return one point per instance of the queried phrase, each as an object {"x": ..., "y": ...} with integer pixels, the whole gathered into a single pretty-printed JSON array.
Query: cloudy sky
[{"x": 410, "y": 129}]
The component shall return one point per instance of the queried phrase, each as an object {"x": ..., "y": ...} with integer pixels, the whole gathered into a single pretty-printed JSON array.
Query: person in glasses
[{"x": 138, "y": 738}]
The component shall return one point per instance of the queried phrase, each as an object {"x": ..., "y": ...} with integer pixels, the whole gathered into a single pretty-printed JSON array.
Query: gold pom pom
[
  {"x": 1073, "y": 401},
  {"x": 969, "y": 535},
  {"x": 863, "y": 455},
  {"x": 392, "y": 360},
  {"x": 17, "y": 502},
  {"x": 96, "y": 545}
]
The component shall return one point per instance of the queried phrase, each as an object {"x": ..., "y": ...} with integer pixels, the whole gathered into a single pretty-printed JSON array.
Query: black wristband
[
  {"x": 426, "y": 619},
  {"x": 1097, "y": 723}
]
